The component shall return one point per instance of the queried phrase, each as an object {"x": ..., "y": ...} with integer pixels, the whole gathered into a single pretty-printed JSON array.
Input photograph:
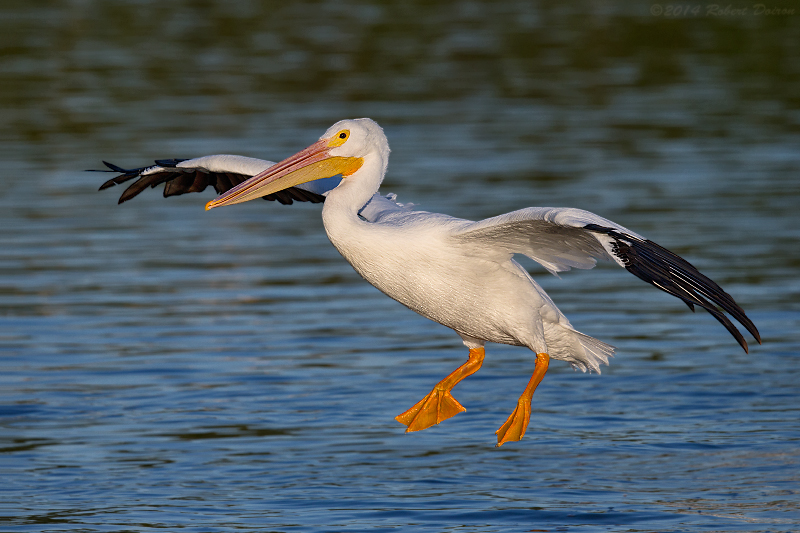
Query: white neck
[
  {"x": 356, "y": 190},
  {"x": 340, "y": 212}
]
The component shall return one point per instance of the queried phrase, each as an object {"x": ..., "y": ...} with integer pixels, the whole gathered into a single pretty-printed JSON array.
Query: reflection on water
[{"x": 169, "y": 368}]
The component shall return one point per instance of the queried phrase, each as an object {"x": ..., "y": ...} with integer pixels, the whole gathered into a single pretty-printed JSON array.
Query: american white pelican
[{"x": 456, "y": 272}]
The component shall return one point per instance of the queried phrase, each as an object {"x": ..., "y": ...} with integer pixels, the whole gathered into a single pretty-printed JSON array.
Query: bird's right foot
[{"x": 437, "y": 406}]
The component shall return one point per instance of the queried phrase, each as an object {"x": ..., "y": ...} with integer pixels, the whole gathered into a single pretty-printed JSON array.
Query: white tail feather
[{"x": 596, "y": 352}]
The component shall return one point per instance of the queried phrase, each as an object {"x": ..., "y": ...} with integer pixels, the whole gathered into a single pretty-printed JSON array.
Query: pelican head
[{"x": 341, "y": 151}]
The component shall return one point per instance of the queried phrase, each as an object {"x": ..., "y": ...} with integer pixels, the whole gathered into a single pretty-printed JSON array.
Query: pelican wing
[
  {"x": 564, "y": 238},
  {"x": 222, "y": 172},
  {"x": 380, "y": 207}
]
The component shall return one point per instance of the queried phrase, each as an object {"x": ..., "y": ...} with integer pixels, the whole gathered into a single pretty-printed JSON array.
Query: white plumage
[{"x": 456, "y": 272}]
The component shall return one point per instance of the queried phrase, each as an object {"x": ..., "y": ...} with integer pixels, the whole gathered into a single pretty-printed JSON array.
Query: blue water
[{"x": 166, "y": 368}]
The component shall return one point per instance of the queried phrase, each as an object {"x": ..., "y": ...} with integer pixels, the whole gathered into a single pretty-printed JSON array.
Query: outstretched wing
[
  {"x": 564, "y": 238},
  {"x": 222, "y": 172}
]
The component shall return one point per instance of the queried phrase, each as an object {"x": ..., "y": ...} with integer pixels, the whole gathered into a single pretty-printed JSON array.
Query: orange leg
[
  {"x": 439, "y": 404},
  {"x": 517, "y": 422}
]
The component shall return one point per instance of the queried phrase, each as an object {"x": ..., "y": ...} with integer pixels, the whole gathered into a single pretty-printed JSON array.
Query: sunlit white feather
[{"x": 458, "y": 272}]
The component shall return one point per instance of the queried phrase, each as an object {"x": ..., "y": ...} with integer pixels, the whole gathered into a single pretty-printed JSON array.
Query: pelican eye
[{"x": 339, "y": 139}]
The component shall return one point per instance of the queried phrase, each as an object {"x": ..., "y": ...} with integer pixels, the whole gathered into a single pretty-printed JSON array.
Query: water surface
[{"x": 165, "y": 368}]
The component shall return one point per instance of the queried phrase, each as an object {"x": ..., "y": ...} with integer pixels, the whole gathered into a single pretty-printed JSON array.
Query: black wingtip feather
[
  {"x": 674, "y": 275},
  {"x": 115, "y": 168},
  {"x": 169, "y": 163},
  {"x": 106, "y": 185},
  {"x": 182, "y": 180}
]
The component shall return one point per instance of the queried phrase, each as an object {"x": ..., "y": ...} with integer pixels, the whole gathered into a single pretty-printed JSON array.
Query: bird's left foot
[
  {"x": 516, "y": 424},
  {"x": 437, "y": 406}
]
